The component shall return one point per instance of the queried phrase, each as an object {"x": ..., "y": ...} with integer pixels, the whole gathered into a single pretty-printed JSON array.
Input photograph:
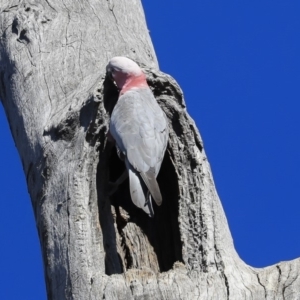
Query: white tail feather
[{"x": 137, "y": 193}]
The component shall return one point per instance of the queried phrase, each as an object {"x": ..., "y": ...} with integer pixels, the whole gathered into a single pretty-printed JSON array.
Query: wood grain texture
[{"x": 58, "y": 103}]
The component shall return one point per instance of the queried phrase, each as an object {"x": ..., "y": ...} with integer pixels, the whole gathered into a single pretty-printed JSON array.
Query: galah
[{"x": 140, "y": 130}]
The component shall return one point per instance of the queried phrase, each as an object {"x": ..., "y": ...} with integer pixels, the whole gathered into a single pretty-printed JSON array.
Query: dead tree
[{"x": 58, "y": 102}]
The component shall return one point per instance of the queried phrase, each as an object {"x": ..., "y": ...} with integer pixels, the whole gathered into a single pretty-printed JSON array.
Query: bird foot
[{"x": 112, "y": 188}]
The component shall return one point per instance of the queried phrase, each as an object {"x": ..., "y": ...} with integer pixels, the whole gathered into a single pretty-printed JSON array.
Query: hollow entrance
[{"x": 131, "y": 238}]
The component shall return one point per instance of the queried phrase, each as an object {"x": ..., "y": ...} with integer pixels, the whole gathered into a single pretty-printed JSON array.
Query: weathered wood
[{"x": 57, "y": 101}]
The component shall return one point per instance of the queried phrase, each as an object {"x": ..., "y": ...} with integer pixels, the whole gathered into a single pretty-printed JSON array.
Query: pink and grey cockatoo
[{"x": 140, "y": 130}]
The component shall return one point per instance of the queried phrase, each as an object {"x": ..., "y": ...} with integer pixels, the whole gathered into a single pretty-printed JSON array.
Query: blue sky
[{"x": 238, "y": 65}]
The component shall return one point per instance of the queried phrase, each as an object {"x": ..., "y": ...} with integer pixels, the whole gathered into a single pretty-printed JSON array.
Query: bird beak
[{"x": 109, "y": 73}]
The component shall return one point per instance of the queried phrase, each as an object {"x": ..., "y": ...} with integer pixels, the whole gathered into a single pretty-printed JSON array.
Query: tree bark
[{"x": 58, "y": 102}]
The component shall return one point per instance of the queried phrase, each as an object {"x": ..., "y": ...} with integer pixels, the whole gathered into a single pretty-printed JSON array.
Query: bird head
[{"x": 125, "y": 73}]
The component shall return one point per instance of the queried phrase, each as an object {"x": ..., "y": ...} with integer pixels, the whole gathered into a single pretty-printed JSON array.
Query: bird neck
[{"x": 134, "y": 82}]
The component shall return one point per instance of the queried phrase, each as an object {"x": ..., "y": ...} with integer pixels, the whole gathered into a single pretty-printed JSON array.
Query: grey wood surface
[{"x": 58, "y": 102}]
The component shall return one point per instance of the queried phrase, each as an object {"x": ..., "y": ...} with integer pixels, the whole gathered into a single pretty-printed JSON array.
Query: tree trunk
[{"x": 58, "y": 102}]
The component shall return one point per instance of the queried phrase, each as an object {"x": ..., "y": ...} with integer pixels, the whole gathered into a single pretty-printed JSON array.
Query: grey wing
[
  {"x": 140, "y": 129},
  {"x": 148, "y": 151}
]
